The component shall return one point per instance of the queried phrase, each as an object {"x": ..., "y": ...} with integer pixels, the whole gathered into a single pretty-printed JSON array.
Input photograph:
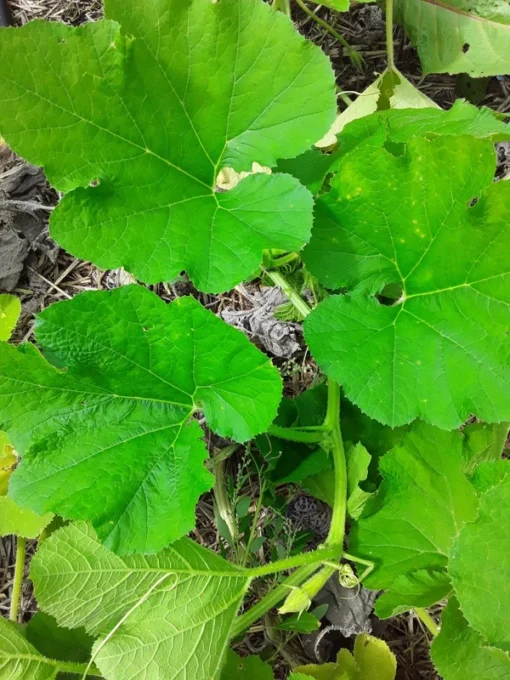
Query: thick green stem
[
  {"x": 296, "y": 435},
  {"x": 313, "y": 557},
  {"x": 18, "y": 578},
  {"x": 223, "y": 506},
  {"x": 294, "y": 297},
  {"x": 337, "y": 528},
  {"x": 389, "y": 34},
  {"x": 354, "y": 55},
  {"x": 427, "y": 620},
  {"x": 273, "y": 598}
]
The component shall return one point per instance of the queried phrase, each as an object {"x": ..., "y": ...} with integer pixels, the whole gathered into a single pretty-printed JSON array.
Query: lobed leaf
[
  {"x": 479, "y": 565},
  {"x": 423, "y": 502},
  {"x": 163, "y": 616},
  {"x": 140, "y": 118},
  {"x": 417, "y": 322},
  {"x": 459, "y": 652},
  {"x": 115, "y": 424}
]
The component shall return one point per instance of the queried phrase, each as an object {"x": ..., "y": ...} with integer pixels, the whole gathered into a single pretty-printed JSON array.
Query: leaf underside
[
  {"x": 424, "y": 221},
  {"x": 149, "y": 112},
  {"x": 110, "y": 438},
  {"x": 162, "y": 616}
]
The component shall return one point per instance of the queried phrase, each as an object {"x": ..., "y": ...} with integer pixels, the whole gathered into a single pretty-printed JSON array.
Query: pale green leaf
[
  {"x": 8, "y": 460},
  {"x": 245, "y": 668},
  {"x": 21, "y": 521},
  {"x": 302, "y": 622},
  {"x": 458, "y": 36},
  {"x": 358, "y": 462},
  {"x": 421, "y": 588},
  {"x": 393, "y": 218},
  {"x": 371, "y": 658},
  {"x": 391, "y": 90},
  {"x": 153, "y": 109},
  {"x": 479, "y": 566},
  {"x": 483, "y": 442},
  {"x": 116, "y": 424},
  {"x": 162, "y": 616},
  {"x": 460, "y": 653},
  {"x": 423, "y": 502},
  {"x": 10, "y": 309},
  {"x": 19, "y": 660}
]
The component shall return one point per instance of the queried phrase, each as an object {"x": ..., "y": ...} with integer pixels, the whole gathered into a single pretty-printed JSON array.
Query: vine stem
[
  {"x": 294, "y": 297},
  {"x": 427, "y": 620},
  {"x": 315, "y": 557},
  {"x": 337, "y": 527},
  {"x": 354, "y": 56},
  {"x": 295, "y": 435},
  {"x": 389, "y": 34},
  {"x": 18, "y": 578}
]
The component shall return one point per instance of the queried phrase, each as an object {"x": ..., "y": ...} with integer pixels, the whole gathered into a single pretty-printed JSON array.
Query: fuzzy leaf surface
[
  {"x": 423, "y": 502},
  {"x": 114, "y": 424},
  {"x": 393, "y": 218},
  {"x": 459, "y": 652},
  {"x": 153, "y": 109},
  {"x": 162, "y": 616},
  {"x": 421, "y": 588},
  {"x": 479, "y": 566},
  {"x": 458, "y": 36}
]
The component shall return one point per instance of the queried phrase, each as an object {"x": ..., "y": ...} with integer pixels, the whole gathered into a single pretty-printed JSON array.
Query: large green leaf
[
  {"x": 162, "y": 616},
  {"x": 21, "y": 521},
  {"x": 480, "y": 563},
  {"x": 110, "y": 438},
  {"x": 458, "y": 36},
  {"x": 389, "y": 225},
  {"x": 460, "y": 653},
  {"x": 420, "y": 507},
  {"x": 153, "y": 109}
]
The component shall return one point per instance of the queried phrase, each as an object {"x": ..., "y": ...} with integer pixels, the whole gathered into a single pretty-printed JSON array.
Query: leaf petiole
[
  {"x": 427, "y": 620},
  {"x": 296, "y": 435},
  {"x": 18, "y": 578}
]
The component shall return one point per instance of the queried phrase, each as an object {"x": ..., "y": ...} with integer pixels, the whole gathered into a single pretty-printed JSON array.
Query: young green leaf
[
  {"x": 421, "y": 588},
  {"x": 479, "y": 566},
  {"x": 423, "y": 502},
  {"x": 304, "y": 622},
  {"x": 245, "y": 668},
  {"x": 159, "y": 616},
  {"x": 458, "y": 37},
  {"x": 358, "y": 462},
  {"x": 150, "y": 111},
  {"x": 436, "y": 348},
  {"x": 10, "y": 309},
  {"x": 115, "y": 424},
  {"x": 371, "y": 658},
  {"x": 460, "y": 653}
]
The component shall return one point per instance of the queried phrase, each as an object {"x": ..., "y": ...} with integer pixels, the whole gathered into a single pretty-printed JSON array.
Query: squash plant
[{"x": 133, "y": 118}]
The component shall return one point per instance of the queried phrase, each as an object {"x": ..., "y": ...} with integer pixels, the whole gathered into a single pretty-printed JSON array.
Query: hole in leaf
[
  {"x": 395, "y": 148},
  {"x": 465, "y": 47},
  {"x": 391, "y": 294},
  {"x": 62, "y": 41},
  {"x": 95, "y": 182},
  {"x": 473, "y": 201}
]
